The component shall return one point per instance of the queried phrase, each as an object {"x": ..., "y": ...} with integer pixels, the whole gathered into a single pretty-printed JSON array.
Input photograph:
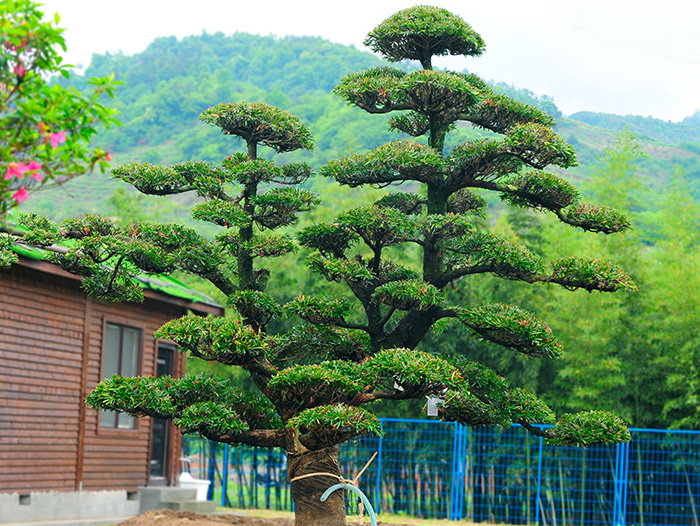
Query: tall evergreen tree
[{"x": 315, "y": 377}]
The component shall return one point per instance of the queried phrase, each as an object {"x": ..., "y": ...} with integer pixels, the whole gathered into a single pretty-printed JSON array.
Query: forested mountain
[
  {"x": 172, "y": 81},
  {"x": 169, "y": 84},
  {"x": 636, "y": 354},
  {"x": 688, "y": 130}
]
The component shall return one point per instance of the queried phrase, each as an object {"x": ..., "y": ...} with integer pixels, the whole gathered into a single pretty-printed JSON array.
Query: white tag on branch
[{"x": 433, "y": 403}]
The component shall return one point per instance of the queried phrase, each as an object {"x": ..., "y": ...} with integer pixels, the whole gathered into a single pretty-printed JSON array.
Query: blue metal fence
[{"x": 432, "y": 469}]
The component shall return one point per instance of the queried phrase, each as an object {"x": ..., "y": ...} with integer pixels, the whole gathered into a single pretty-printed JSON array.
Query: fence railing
[{"x": 432, "y": 469}]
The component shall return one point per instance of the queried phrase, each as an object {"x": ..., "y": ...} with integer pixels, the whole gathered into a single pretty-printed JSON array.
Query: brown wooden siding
[
  {"x": 40, "y": 367},
  {"x": 43, "y": 446}
]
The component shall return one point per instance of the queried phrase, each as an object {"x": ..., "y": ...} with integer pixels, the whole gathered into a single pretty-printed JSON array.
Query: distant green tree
[
  {"x": 395, "y": 257},
  {"x": 609, "y": 358},
  {"x": 45, "y": 129},
  {"x": 131, "y": 207},
  {"x": 632, "y": 353},
  {"x": 674, "y": 308}
]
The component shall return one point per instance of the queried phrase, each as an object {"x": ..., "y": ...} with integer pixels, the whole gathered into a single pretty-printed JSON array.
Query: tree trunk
[{"x": 307, "y": 492}]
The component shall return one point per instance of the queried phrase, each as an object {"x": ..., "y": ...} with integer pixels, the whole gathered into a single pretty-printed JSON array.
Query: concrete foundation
[
  {"x": 58, "y": 506},
  {"x": 184, "y": 499}
]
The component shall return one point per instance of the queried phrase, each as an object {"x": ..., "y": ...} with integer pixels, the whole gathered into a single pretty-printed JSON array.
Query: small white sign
[{"x": 433, "y": 403}]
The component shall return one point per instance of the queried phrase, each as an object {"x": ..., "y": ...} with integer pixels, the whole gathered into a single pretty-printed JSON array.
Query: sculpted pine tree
[{"x": 315, "y": 378}]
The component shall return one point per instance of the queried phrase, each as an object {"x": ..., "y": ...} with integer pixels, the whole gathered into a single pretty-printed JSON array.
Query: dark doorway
[{"x": 160, "y": 434}]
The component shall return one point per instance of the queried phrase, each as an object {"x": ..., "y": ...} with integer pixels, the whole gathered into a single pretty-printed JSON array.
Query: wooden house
[{"x": 55, "y": 345}]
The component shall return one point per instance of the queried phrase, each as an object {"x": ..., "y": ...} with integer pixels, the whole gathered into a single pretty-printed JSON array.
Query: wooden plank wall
[
  {"x": 40, "y": 373},
  {"x": 42, "y": 320}
]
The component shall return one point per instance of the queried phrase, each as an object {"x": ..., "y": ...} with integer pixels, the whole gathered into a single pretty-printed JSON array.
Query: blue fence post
[
  {"x": 621, "y": 474},
  {"x": 538, "y": 501},
  {"x": 458, "y": 467},
  {"x": 378, "y": 489},
  {"x": 212, "y": 470},
  {"x": 224, "y": 477},
  {"x": 453, "y": 493}
]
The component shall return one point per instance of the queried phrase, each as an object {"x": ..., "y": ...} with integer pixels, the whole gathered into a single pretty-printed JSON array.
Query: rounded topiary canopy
[
  {"x": 421, "y": 32},
  {"x": 260, "y": 123}
]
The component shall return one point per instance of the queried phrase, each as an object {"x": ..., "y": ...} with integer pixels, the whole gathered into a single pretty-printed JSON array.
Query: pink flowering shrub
[{"x": 41, "y": 141}]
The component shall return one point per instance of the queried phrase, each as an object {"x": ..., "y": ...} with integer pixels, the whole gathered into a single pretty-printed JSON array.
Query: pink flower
[
  {"x": 57, "y": 138},
  {"x": 20, "y": 70},
  {"x": 33, "y": 166},
  {"x": 16, "y": 47},
  {"x": 20, "y": 195},
  {"x": 14, "y": 170},
  {"x": 18, "y": 170}
]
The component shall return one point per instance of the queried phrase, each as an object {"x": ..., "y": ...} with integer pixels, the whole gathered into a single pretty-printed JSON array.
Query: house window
[{"x": 121, "y": 356}]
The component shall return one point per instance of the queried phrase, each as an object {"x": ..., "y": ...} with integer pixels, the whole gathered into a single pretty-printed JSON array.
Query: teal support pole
[{"x": 358, "y": 491}]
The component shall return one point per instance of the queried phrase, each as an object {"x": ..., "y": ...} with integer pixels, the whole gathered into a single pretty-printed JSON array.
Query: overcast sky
[{"x": 618, "y": 56}]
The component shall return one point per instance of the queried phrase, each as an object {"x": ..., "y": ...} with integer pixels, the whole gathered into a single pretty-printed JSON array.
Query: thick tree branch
[
  {"x": 537, "y": 431},
  {"x": 255, "y": 437},
  {"x": 347, "y": 325},
  {"x": 457, "y": 273},
  {"x": 393, "y": 394}
]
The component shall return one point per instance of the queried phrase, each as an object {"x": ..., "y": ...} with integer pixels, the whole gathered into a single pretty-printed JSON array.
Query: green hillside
[
  {"x": 172, "y": 81},
  {"x": 688, "y": 130}
]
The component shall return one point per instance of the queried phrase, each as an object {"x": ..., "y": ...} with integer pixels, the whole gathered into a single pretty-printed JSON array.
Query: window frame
[
  {"x": 170, "y": 430},
  {"x": 139, "y": 368}
]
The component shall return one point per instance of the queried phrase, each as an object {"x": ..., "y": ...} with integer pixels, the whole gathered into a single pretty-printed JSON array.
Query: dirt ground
[{"x": 187, "y": 518}]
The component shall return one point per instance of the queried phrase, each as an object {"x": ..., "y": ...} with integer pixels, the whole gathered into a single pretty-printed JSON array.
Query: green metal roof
[{"x": 158, "y": 282}]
